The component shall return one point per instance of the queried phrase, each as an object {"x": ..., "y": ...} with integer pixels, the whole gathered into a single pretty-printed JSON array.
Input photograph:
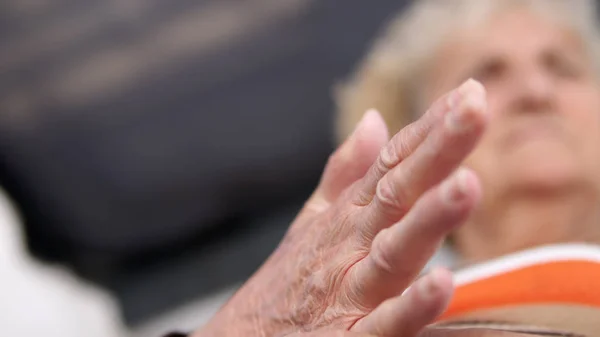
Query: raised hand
[{"x": 380, "y": 212}]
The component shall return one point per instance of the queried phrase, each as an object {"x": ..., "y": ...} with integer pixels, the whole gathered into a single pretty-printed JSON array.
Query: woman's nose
[{"x": 533, "y": 91}]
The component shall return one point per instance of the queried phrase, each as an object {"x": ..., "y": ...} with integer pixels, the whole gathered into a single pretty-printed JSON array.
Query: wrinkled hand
[{"x": 380, "y": 212}]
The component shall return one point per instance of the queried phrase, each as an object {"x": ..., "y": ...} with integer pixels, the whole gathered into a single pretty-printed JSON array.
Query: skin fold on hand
[{"x": 382, "y": 208}]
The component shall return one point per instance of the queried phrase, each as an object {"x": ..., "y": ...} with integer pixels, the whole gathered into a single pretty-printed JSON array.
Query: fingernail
[
  {"x": 428, "y": 287},
  {"x": 432, "y": 284},
  {"x": 455, "y": 188},
  {"x": 469, "y": 97}
]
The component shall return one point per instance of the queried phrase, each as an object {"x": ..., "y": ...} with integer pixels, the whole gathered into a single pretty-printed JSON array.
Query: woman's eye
[
  {"x": 562, "y": 66},
  {"x": 489, "y": 71}
]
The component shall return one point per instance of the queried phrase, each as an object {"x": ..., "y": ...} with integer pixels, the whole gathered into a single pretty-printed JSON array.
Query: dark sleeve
[{"x": 176, "y": 334}]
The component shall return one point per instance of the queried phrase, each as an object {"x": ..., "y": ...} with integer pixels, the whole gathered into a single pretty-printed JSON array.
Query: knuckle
[
  {"x": 386, "y": 192},
  {"x": 382, "y": 255},
  {"x": 390, "y": 196},
  {"x": 388, "y": 157}
]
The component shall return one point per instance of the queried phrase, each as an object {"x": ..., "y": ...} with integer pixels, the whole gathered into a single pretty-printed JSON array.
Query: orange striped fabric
[{"x": 553, "y": 274}]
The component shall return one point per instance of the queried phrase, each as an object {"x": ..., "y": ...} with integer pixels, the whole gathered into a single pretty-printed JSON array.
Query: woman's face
[{"x": 543, "y": 98}]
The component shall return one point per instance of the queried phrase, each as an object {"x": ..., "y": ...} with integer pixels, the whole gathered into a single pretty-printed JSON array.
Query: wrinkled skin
[{"x": 381, "y": 210}]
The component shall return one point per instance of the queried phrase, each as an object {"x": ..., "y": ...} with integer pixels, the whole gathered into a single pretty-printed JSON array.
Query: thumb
[{"x": 352, "y": 159}]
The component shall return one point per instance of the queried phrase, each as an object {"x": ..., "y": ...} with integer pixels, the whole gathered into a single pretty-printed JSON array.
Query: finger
[
  {"x": 399, "y": 253},
  {"x": 406, "y": 141},
  {"x": 439, "y": 155},
  {"x": 352, "y": 159},
  {"x": 406, "y": 315},
  {"x": 356, "y": 156}
]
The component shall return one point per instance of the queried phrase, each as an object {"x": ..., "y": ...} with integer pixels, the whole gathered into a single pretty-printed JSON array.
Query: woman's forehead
[
  {"x": 517, "y": 33},
  {"x": 521, "y": 29}
]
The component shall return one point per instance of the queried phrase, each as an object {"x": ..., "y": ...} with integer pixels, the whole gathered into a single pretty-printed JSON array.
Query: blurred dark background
[{"x": 161, "y": 148}]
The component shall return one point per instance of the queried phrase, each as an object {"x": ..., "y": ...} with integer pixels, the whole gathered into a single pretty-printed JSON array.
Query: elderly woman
[
  {"x": 539, "y": 160},
  {"x": 529, "y": 147}
]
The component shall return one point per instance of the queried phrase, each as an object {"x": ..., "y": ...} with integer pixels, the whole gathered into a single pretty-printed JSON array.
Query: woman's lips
[{"x": 524, "y": 134}]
